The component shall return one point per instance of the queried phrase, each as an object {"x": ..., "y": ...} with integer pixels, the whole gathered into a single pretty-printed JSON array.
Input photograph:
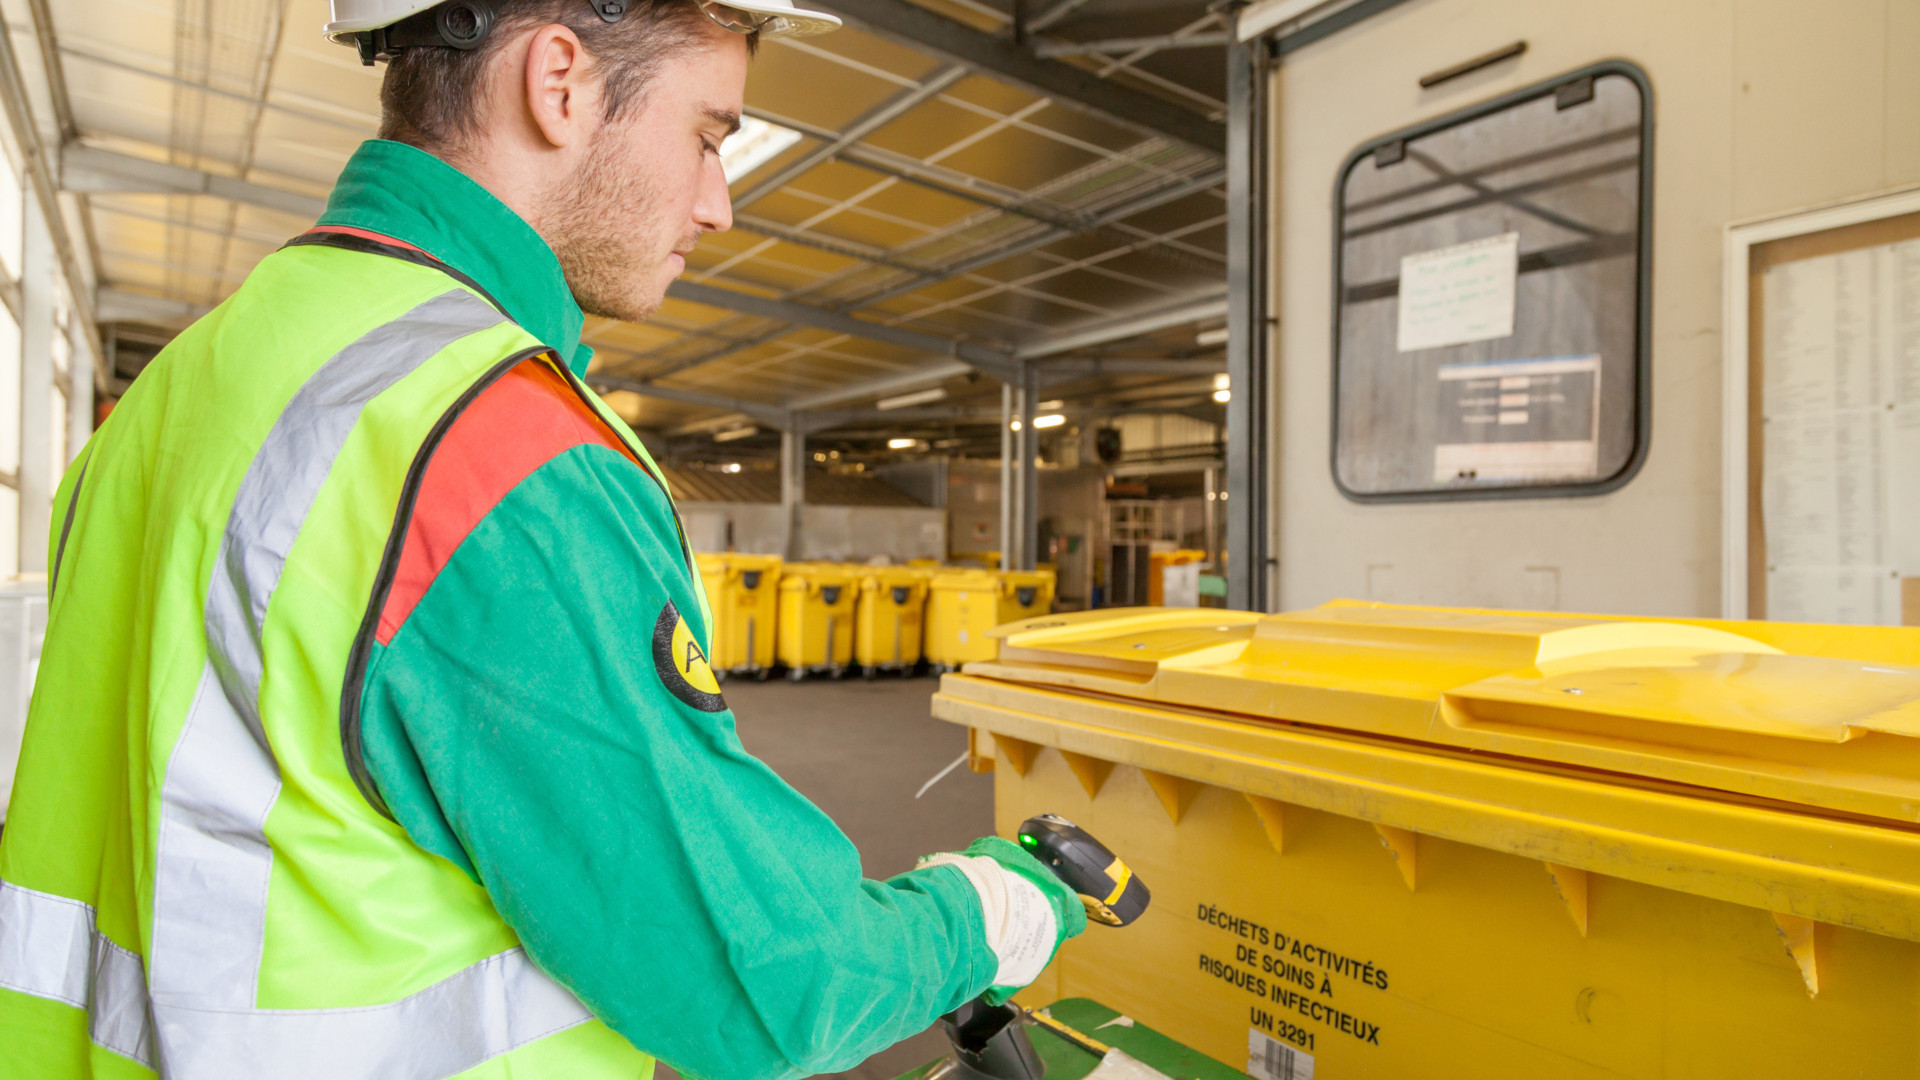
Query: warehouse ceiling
[{"x": 946, "y": 195}]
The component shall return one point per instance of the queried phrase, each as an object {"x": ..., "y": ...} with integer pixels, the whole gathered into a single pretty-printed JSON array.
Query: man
[{"x": 374, "y": 735}]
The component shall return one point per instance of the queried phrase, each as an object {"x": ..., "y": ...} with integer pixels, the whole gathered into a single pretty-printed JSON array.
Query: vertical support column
[
  {"x": 1213, "y": 517},
  {"x": 80, "y": 369},
  {"x": 793, "y": 481},
  {"x": 1248, "y": 484},
  {"x": 1007, "y": 475},
  {"x": 1029, "y": 467},
  {"x": 36, "y": 388}
]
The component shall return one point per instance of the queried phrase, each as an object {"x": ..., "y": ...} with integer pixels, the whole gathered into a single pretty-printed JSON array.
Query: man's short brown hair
[{"x": 431, "y": 97}]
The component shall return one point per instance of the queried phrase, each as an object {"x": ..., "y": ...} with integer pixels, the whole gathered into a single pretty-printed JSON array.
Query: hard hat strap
[
  {"x": 458, "y": 24},
  {"x": 464, "y": 25}
]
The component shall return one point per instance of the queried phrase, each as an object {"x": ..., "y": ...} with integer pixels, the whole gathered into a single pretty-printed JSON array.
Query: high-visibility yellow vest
[{"x": 190, "y": 880}]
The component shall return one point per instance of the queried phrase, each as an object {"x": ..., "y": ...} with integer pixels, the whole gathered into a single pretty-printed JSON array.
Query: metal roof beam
[
  {"x": 846, "y": 249},
  {"x": 1053, "y": 15},
  {"x": 42, "y": 185},
  {"x": 771, "y": 416},
  {"x": 1203, "y": 40},
  {"x": 1040, "y": 240},
  {"x": 958, "y": 43},
  {"x": 804, "y": 314},
  {"x": 125, "y": 305},
  {"x": 914, "y": 379},
  {"x": 94, "y": 171},
  {"x": 995, "y": 362},
  {"x": 875, "y": 119},
  {"x": 1059, "y": 371},
  {"x": 1212, "y": 306},
  {"x": 1068, "y": 370}
]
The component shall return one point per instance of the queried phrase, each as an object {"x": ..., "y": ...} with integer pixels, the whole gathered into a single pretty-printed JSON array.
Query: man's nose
[{"x": 712, "y": 205}]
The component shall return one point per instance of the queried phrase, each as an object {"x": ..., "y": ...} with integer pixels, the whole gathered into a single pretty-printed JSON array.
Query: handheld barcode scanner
[
  {"x": 987, "y": 1042},
  {"x": 1107, "y": 886}
]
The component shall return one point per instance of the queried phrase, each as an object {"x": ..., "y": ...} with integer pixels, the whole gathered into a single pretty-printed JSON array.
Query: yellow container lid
[
  {"x": 883, "y": 577},
  {"x": 969, "y": 580},
  {"x": 1825, "y": 717},
  {"x": 801, "y": 575}
]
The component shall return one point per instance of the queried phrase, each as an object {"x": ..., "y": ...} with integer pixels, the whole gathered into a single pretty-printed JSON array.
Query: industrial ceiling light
[
  {"x": 1222, "y": 381},
  {"x": 1049, "y": 420},
  {"x": 1223, "y": 396},
  {"x": 730, "y": 467},
  {"x": 1205, "y": 338},
  {"x": 735, "y": 434},
  {"x": 1049, "y": 406},
  {"x": 1016, "y": 425},
  {"x": 918, "y": 397},
  {"x": 902, "y": 444},
  {"x": 756, "y": 143}
]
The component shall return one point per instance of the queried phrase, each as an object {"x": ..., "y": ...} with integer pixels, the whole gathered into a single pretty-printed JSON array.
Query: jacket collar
[{"x": 405, "y": 193}]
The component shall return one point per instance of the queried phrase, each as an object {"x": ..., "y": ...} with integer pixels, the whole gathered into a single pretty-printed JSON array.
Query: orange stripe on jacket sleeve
[{"x": 525, "y": 419}]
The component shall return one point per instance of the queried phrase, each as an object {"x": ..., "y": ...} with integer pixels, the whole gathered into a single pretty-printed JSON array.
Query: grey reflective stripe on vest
[
  {"x": 213, "y": 860},
  {"x": 50, "y": 948},
  {"x": 66, "y": 527},
  {"x": 488, "y": 1009}
]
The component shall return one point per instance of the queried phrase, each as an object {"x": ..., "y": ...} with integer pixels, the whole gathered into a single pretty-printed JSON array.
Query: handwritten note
[{"x": 1458, "y": 294}]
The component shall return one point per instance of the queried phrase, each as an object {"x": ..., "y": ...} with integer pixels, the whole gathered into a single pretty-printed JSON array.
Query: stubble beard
[{"x": 597, "y": 224}]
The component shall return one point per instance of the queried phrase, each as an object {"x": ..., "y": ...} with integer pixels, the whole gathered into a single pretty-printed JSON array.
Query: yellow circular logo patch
[{"x": 682, "y": 666}]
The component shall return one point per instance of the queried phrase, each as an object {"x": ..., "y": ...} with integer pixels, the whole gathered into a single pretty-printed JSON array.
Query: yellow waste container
[
  {"x": 1025, "y": 593},
  {"x": 989, "y": 560},
  {"x": 962, "y": 606},
  {"x": 1157, "y": 563},
  {"x": 713, "y": 576},
  {"x": 816, "y": 618},
  {"x": 1412, "y": 842},
  {"x": 889, "y": 619},
  {"x": 745, "y": 611}
]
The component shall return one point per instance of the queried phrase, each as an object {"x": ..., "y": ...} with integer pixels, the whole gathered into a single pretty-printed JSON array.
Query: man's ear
[{"x": 559, "y": 95}]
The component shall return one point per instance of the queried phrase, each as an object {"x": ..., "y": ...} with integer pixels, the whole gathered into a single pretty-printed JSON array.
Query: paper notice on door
[{"x": 1458, "y": 294}]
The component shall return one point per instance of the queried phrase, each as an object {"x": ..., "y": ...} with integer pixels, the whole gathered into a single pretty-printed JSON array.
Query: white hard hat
[{"x": 773, "y": 18}]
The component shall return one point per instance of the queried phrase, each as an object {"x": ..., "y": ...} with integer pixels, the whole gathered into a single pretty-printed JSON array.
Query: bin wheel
[
  {"x": 795, "y": 674},
  {"x": 869, "y": 672},
  {"x": 761, "y": 674},
  {"x": 837, "y": 673},
  {"x": 720, "y": 676}
]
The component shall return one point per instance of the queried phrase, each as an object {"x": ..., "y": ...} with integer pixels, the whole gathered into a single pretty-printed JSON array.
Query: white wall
[
  {"x": 830, "y": 533},
  {"x": 1760, "y": 107}
]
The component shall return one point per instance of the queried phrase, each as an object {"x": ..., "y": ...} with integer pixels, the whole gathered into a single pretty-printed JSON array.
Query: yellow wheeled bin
[
  {"x": 962, "y": 607},
  {"x": 1025, "y": 594},
  {"x": 746, "y": 605},
  {"x": 889, "y": 619},
  {"x": 1408, "y": 842},
  {"x": 816, "y": 618},
  {"x": 1157, "y": 564},
  {"x": 713, "y": 576}
]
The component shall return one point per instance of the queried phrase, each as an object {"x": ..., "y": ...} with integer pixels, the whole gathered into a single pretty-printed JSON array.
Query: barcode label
[{"x": 1270, "y": 1059}]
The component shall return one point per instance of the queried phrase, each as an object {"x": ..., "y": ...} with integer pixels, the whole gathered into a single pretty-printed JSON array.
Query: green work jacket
[{"x": 373, "y": 735}]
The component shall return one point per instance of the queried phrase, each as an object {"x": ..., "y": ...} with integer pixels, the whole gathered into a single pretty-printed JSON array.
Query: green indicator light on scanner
[{"x": 1028, "y": 839}]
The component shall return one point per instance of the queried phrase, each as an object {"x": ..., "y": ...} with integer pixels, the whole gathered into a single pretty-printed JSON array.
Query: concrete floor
[{"x": 860, "y": 750}]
